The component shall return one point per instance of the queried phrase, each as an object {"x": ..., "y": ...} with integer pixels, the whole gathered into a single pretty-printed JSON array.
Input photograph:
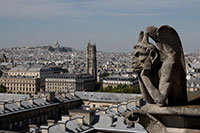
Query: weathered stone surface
[
  {"x": 161, "y": 69},
  {"x": 162, "y": 80},
  {"x": 188, "y": 110},
  {"x": 159, "y": 119}
]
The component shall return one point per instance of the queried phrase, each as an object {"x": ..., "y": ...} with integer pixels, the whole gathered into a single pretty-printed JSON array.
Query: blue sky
[{"x": 112, "y": 24}]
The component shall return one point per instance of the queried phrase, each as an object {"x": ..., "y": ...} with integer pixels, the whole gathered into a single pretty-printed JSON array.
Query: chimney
[
  {"x": 19, "y": 103},
  {"x": 132, "y": 102},
  {"x": 33, "y": 128},
  {"x": 111, "y": 120},
  {"x": 2, "y": 105},
  {"x": 66, "y": 117},
  {"x": 72, "y": 93},
  {"x": 44, "y": 129},
  {"x": 124, "y": 104},
  {"x": 50, "y": 122},
  {"x": 103, "y": 111},
  {"x": 139, "y": 102},
  {"x": 44, "y": 98},
  {"x": 80, "y": 119},
  {"x": 63, "y": 94},
  {"x": 115, "y": 107},
  {"x": 62, "y": 124},
  {"x": 50, "y": 96},
  {"x": 86, "y": 107},
  {"x": 31, "y": 100}
]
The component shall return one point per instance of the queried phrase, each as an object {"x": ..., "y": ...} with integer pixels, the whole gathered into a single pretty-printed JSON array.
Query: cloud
[{"x": 50, "y": 8}]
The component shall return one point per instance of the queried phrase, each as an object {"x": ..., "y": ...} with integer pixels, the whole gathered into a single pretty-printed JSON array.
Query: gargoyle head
[{"x": 144, "y": 54}]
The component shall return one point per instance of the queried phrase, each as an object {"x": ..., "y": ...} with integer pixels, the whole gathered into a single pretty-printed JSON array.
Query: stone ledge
[
  {"x": 187, "y": 110},
  {"x": 166, "y": 119},
  {"x": 182, "y": 130}
]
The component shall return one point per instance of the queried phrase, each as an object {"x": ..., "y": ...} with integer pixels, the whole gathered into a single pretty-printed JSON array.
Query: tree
[
  {"x": 121, "y": 88},
  {"x": 3, "y": 89}
]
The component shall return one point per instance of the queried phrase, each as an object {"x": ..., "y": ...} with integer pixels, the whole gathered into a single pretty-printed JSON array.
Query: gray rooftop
[
  {"x": 104, "y": 123},
  {"x": 72, "y": 126},
  {"x": 14, "y": 103},
  {"x": 195, "y": 65},
  {"x": 12, "y": 97},
  {"x": 104, "y": 96},
  {"x": 70, "y": 76},
  {"x": 24, "y": 68}
]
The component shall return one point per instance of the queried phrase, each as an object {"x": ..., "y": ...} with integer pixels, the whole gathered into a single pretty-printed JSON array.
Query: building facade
[
  {"x": 20, "y": 84},
  {"x": 69, "y": 83},
  {"x": 91, "y": 63},
  {"x": 37, "y": 71},
  {"x": 116, "y": 80}
]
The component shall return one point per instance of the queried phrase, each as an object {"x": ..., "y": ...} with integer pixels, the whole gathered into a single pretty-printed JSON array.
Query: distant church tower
[
  {"x": 91, "y": 62},
  {"x": 199, "y": 52},
  {"x": 56, "y": 45}
]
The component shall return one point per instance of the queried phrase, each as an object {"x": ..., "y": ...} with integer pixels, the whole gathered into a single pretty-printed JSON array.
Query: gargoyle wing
[{"x": 168, "y": 42}]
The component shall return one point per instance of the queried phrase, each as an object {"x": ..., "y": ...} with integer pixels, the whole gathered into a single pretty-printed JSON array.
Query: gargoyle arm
[
  {"x": 144, "y": 91},
  {"x": 160, "y": 94}
]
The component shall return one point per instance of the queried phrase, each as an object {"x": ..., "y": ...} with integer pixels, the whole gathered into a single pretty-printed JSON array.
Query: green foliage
[
  {"x": 98, "y": 85},
  {"x": 9, "y": 91},
  {"x": 122, "y": 88},
  {"x": 3, "y": 89},
  {"x": 51, "y": 49}
]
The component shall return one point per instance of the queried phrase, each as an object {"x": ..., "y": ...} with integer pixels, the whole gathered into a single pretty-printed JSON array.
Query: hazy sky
[{"x": 112, "y": 24}]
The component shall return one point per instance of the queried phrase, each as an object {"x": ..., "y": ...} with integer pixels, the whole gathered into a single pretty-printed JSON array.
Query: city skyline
[{"x": 113, "y": 25}]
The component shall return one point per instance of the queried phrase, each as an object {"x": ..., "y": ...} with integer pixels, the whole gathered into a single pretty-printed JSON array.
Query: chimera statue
[{"x": 161, "y": 69}]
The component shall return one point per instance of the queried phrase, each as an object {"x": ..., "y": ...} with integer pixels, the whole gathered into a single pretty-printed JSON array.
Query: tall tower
[
  {"x": 91, "y": 62},
  {"x": 199, "y": 52}
]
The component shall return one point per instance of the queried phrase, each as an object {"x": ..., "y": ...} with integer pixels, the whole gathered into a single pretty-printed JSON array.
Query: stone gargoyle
[{"x": 161, "y": 70}]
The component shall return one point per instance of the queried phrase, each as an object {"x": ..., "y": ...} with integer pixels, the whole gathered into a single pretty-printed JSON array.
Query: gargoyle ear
[
  {"x": 152, "y": 31},
  {"x": 141, "y": 35},
  {"x": 154, "y": 55}
]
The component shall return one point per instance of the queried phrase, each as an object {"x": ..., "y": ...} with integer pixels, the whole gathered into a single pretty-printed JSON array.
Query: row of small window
[
  {"x": 23, "y": 73},
  {"x": 17, "y": 81},
  {"x": 59, "y": 88},
  {"x": 21, "y": 89},
  {"x": 117, "y": 82},
  {"x": 19, "y": 85},
  {"x": 64, "y": 84},
  {"x": 61, "y": 80}
]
